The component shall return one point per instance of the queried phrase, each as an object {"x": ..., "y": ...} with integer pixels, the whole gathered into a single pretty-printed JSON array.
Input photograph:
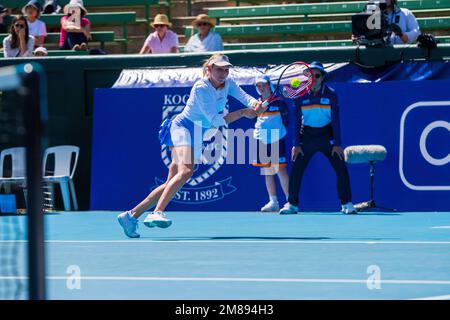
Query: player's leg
[
  {"x": 154, "y": 196},
  {"x": 183, "y": 158},
  {"x": 343, "y": 180}
]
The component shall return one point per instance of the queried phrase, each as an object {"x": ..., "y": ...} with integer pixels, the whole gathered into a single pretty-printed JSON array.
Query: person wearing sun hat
[
  {"x": 162, "y": 40},
  {"x": 206, "y": 39},
  {"x": 37, "y": 28},
  {"x": 75, "y": 37}
]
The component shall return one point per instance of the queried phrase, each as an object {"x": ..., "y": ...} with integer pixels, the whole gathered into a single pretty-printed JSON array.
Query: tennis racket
[{"x": 294, "y": 81}]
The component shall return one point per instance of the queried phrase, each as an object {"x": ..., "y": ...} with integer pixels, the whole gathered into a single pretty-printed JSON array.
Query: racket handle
[{"x": 265, "y": 103}]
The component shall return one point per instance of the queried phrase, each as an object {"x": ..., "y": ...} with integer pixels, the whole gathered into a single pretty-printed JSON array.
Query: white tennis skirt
[{"x": 180, "y": 131}]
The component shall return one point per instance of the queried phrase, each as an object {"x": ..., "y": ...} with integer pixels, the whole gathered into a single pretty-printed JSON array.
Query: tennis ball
[{"x": 295, "y": 83}]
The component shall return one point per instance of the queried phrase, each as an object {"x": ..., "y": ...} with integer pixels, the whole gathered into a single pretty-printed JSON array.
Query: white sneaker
[
  {"x": 129, "y": 224},
  {"x": 271, "y": 206},
  {"x": 348, "y": 208},
  {"x": 289, "y": 209},
  {"x": 157, "y": 219}
]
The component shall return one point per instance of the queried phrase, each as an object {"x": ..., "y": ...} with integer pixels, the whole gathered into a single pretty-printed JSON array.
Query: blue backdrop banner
[{"x": 410, "y": 118}]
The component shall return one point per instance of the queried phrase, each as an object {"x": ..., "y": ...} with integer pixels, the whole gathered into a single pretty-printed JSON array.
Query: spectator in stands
[
  {"x": 162, "y": 40},
  {"x": 405, "y": 28},
  {"x": 3, "y": 14},
  {"x": 32, "y": 10},
  {"x": 73, "y": 36},
  {"x": 19, "y": 43},
  {"x": 40, "y": 52},
  {"x": 51, "y": 6},
  {"x": 205, "y": 40}
]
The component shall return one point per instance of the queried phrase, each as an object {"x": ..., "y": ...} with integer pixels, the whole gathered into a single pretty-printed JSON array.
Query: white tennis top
[{"x": 206, "y": 103}]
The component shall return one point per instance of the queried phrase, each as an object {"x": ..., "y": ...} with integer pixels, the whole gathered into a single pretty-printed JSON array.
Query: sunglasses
[
  {"x": 202, "y": 24},
  {"x": 159, "y": 25},
  {"x": 318, "y": 76},
  {"x": 19, "y": 25}
]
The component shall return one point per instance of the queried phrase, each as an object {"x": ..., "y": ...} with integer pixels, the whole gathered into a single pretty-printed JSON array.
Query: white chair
[
  {"x": 63, "y": 173},
  {"x": 18, "y": 169}
]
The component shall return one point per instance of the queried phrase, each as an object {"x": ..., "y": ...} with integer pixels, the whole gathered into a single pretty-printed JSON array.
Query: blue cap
[
  {"x": 264, "y": 78},
  {"x": 317, "y": 65}
]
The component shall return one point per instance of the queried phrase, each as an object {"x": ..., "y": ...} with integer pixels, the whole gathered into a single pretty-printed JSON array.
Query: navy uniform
[
  {"x": 276, "y": 117},
  {"x": 317, "y": 129}
]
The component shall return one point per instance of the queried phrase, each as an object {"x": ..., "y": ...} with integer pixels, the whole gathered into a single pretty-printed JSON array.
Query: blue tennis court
[{"x": 250, "y": 255}]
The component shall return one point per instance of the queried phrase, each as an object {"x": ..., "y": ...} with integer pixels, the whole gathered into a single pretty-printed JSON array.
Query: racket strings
[{"x": 289, "y": 92}]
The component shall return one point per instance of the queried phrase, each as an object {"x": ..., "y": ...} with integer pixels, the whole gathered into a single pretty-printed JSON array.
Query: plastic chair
[
  {"x": 18, "y": 175},
  {"x": 63, "y": 173}
]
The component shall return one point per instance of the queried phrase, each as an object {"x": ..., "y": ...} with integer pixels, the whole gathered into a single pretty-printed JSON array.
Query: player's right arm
[{"x": 236, "y": 115}]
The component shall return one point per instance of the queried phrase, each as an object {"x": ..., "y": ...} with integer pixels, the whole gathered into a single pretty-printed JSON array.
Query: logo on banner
[
  {"x": 434, "y": 129},
  {"x": 201, "y": 187}
]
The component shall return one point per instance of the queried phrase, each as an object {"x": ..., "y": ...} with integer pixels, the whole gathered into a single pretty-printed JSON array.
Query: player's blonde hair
[{"x": 208, "y": 61}]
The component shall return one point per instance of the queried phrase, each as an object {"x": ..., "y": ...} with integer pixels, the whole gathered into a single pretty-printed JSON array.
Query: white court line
[
  {"x": 224, "y": 279},
  {"x": 435, "y": 298},
  {"x": 237, "y": 241},
  {"x": 441, "y": 227}
]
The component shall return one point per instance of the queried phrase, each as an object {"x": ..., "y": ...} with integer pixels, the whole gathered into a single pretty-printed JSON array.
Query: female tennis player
[{"x": 184, "y": 135}]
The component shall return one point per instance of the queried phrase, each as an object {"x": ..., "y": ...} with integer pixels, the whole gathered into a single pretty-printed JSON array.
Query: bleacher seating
[
  {"x": 97, "y": 36},
  {"x": 298, "y": 44},
  {"x": 119, "y": 18},
  {"x": 307, "y": 28},
  {"x": 305, "y": 10},
  {"x": 244, "y": 25}
]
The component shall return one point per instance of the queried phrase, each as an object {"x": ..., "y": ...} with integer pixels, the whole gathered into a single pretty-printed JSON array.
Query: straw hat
[
  {"x": 203, "y": 18},
  {"x": 161, "y": 19},
  {"x": 74, "y": 3}
]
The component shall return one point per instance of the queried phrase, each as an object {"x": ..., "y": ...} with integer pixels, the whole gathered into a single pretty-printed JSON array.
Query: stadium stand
[
  {"x": 244, "y": 25},
  {"x": 308, "y": 28},
  {"x": 97, "y": 36},
  {"x": 298, "y": 44},
  {"x": 306, "y": 10},
  {"x": 97, "y": 19}
]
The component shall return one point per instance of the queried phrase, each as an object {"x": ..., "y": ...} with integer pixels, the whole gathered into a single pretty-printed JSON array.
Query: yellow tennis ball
[{"x": 295, "y": 83}]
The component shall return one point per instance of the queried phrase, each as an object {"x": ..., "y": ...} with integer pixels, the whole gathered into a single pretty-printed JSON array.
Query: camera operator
[
  {"x": 403, "y": 23},
  {"x": 398, "y": 25}
]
